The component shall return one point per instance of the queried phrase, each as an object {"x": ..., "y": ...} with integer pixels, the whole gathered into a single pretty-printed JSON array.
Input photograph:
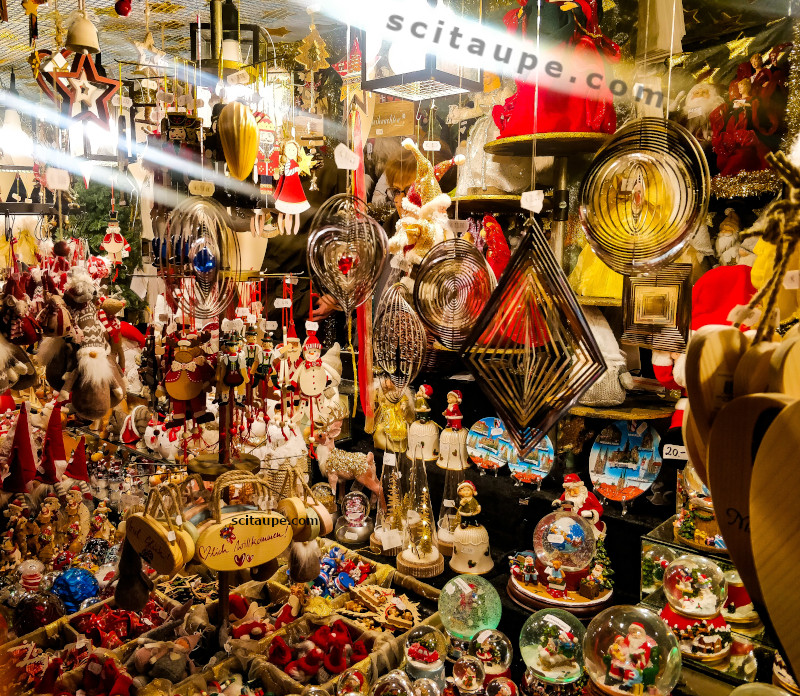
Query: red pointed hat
[
  {"x": 77, "y": 465},
  {"x": 22, "y": 462},
  {"x": 291, "y": 332},
  {"x": 572, "y": 480},
  {"x": 7, "y": 402},
  {"x": 53, "y": 453}
]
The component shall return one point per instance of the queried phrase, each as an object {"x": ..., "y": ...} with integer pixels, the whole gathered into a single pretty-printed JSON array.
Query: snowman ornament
[{"x": 311, "y": 378}]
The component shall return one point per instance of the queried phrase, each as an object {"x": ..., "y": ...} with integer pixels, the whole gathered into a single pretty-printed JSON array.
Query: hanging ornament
[
  {"x": 86, "y": 93},
  {"x": 238, "y": 133},
  {"x": 532, "y": 350},
  {"x": 313, "y": 53},
  {"x": 31, "y": 8}
]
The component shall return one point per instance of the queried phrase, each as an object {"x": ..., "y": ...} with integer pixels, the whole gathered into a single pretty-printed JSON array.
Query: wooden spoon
[
  {"x": 735, "y": 436},
  {"x": 711, "y": 360},
  {"x": 775, "y": 527},
  {"x": 752, "y": 372}
]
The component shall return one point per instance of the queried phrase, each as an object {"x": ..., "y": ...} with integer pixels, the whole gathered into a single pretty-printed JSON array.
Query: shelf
[
  {"x": 485, "y": 203},
  {"x": 633, "y": 408},
  {"x": 28, "y": 209},
  {"x": 588, "y": 301},
  {"x": 547, "y": 144}
]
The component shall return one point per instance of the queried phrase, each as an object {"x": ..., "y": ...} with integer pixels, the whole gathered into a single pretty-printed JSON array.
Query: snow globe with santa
[
  {"x": 494, "y": 649},
  {"x": 696, "y": 590},
  {"x": 630, "y": 650},
  {"x": 570, "y": 567},
  {"x": 468, "y": 605},
  {"x": 551, "y": 645}
]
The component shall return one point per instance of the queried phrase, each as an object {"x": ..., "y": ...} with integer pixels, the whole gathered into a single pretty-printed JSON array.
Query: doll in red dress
[
  {"x": 453, "y": 413},
  {"x": 290, "y": 199}
]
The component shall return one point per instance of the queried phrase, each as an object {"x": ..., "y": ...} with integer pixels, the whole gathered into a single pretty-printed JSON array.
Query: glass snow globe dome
[
  {"x": 625, "y": 646},
  {"x": 654, "y": 562},
  {"x": 426, "y": 645},
  {"x": 695, "y": 586},
  {"x": 564, "y": 537},
  {"x": 551, "y": 645},
  {"x": 493, "y": 648},
  {"x": 469, "y": 604}
]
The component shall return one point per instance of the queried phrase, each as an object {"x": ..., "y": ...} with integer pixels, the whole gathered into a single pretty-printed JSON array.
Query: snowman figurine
[{"x": 311, "y": 378}]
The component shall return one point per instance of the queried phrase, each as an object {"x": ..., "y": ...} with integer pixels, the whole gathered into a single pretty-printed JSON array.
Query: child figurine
[
  {"x": 11, "y": 554},
  {"x": 556, "y": 579},
  {"x": 73, "y": 520},
  {"x": 453, "y": 439},
  {"x": 468, "y": 506},
  {"x": 47, "y": 534},
  {"x": 290, "y": 199},
  {"x": 294, "y": 604},
  {"x": 422, "y": 433},
  {"x": 471, "y": 551}
]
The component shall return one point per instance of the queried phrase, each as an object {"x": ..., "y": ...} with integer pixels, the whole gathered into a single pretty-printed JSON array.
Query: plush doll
[{"x": 16, "y": 329}]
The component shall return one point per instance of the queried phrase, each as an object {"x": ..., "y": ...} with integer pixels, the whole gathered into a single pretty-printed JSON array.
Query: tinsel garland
[
  {"x": 745, "y": 184},
  {"x": 793, "y": 92}
]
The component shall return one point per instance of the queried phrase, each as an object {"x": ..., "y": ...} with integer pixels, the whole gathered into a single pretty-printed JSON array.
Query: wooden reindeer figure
[{"x": 345, "y": 466}]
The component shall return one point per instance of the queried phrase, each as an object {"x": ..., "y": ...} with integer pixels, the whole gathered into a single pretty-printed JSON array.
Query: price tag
[
  {"x": 124, "y": 102},
  {"x": 271, "y": 326},
  {"x": 351, "y": 536},
  {"x": 242, "y": 311},
  {"x": 149, "y": 84},
  {"x": 463, "y": 585},
  {"x": 290, "y": 280},
  {"x": 283, "y": 303},
  {"x": 240, "y": 77},
  {"x": 675, "y": 452},
  {"x": 391, "y": 539},
  {"x": 458, "y": 227},
  {"x": 389, "y": 459},
  {"x": 791, "y": 281},
  {"x": 57, "y": 179},
  {"x": 743, "y": 315},
  {"x": 555, "y": 621},
  {"x": 171, "y": 536},
  {"x": 345, "y": 158},
  {"x": 448, "y": 503},
  {"x": 312, "y": 326},
  {"x": 555, "y": 539},
  {"x": 201, "y": 188},
  {"x": 165, "y": 97},
  {"x": 431, "y": 146},
  {"x": 178, "y": 520},
  {"x": 185, "y": 100},
  {"x": 532, "y": 200}
]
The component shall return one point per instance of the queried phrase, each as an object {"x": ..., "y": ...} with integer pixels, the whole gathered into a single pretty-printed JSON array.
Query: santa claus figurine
[{"x": 577, "y": 499}]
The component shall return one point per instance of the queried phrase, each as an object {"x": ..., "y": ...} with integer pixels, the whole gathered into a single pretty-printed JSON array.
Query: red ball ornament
[{"x": 123, "y": 7}]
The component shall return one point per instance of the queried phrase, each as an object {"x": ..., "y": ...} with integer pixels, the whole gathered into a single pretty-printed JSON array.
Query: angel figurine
[{"x": 290, "y": 199}]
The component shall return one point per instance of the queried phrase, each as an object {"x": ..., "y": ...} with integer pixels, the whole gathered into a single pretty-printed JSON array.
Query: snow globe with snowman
[{"x": 696, "y": 590}]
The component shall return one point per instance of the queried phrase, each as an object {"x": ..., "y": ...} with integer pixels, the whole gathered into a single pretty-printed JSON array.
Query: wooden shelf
[
  {"x": 29, "y": 209},
  {"x": 486, "y": 203},
  {"x": 547, "y": 144},
  {"x": 633, "y": 408}
]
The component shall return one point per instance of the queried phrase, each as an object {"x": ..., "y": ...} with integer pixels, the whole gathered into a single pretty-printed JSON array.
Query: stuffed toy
[
  {"x": 188, "y": 374},
  {"x": 16, "y": 329}
]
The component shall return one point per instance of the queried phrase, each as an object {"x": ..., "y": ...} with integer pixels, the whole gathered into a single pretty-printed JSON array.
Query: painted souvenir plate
[
  {"x": 536, "y": 465},
  {"x": 490, "y": 448},
  {"x": 625, "y": 460}
]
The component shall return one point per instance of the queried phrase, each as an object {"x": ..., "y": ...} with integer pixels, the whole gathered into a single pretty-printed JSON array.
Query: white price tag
[
  {"x": 164, "y": 97},
  {"x": 240, "y": 77},
  {"x": 791, "y": 281},
  {"x": 242, "y": 311},
  {"x": 555, "y": 621},
  {"x": 351, "y": 536},
  {"x": 463, "y": 585},
  {"x": 345, "y": 158},
  {"x": 283, "y": 303},
  {"x": 389, "y": 459},
  {"x": 448, "y": 503},
  {"x": 676, "y": 452},
  {"x": 124, "y": 102},
  {"x": 185, "y": 100},
  {"x": 458, "y": 227},
  {"x": 555, "y": 538},
  {"x": 201, "y": 188},
  {"x": 290, "y": 279},
  {"x": 57, "y": 179},
  {"x": 178, "y": 520},
  {"x": 532, "y": 200},
  {"x": 149, "y": 84},
  {"x": 431, "y": 146},
  {"x": 743, "y": 315},
  {"x": 312, "y": 326},
  {"x": 171, "y": 536},
  {"x": 391, "y": 539},
  {"x": 271, "y": 326}
]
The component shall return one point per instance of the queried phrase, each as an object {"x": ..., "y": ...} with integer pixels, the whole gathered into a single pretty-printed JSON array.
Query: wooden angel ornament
[{"x": 290, "y": 199}]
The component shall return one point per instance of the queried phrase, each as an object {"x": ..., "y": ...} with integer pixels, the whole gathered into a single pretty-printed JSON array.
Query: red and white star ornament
[{"x": 86, "y": 94}]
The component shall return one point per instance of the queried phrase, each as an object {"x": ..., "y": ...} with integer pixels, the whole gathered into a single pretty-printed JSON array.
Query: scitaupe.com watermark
[{"x": 518, "y": 63}]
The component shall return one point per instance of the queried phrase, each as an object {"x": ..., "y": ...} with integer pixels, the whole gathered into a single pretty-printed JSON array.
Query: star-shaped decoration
[
  {"x": 148, "y": 53},
  {"x": 738, "y": 47},
  {"x": 304, "y": 162},
  {"x": 87, "y": 94},
  {"x": 31, "y": 7}
]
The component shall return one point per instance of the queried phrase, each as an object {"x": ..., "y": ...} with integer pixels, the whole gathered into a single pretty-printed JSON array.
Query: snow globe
[
  {"x": 494, "y": 649},
  {"x": 468, "y": 675},
  {"x": 696, "y": 591},
  {"x": 501, "y": 686},
  {"x": 782, "y": 677},
  {"x": 628, "y": 650},
  {"x": 468, "y": 604},
  {"x": 738, "y": 608},
  {"x": 426, "y": 650},
  {"x": 394, "y": 683},
  {"x": 551, "y": 645},
  {"x": 426, "y": 687},
  {"x": 353, "y": 681},
  {"x": 654, "y": 562},
  {"x": 567, "y": 568},
  {"x": 354, "y": 526}
]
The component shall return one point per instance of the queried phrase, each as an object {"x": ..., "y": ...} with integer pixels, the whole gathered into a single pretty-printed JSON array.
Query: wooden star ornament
[{"x": 86, "y": 93}]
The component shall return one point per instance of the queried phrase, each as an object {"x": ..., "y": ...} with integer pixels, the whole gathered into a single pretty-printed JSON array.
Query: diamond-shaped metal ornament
[{"x": 532, "y": 351}]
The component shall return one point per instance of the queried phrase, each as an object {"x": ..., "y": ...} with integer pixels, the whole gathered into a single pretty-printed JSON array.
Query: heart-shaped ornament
[{"x": 347, "y": 262}]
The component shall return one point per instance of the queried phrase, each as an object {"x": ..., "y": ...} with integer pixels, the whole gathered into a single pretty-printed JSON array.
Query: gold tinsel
[
  {"x": 793, "y": 94},
  {"x": 745, "y": 184}
]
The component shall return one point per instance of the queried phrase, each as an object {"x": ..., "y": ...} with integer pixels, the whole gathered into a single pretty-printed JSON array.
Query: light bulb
[{"x": 16, "y": 143}]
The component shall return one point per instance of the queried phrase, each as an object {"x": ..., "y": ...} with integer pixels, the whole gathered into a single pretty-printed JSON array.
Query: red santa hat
[
  {"x": 291, "y": 333},
  {"x": 717, "y": 292},
  {"x": 636, "y": 624},
  {"x": 53, "y": 454},
  {"x": 22, "y": 461},
  {"x": 77, "y": 465},
  {"x": 427, "y": 390},
  {"x": 571, "y": 480},
  {"x": 130, "y": 332},
  {"x": 312, "y": 341},
  {"x": 457, "y": 394},
  {"x": 469, "y": 483},
  {"x": 7, "y": 402}
]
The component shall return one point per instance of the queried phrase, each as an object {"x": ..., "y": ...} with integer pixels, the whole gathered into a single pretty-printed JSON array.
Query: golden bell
[
  {"x": 82, "y": 36},
  {"x": 238, "y": 133}
]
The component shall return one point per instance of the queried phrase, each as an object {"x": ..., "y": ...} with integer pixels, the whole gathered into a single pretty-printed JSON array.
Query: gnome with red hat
[
  {"x": 578, "y": 500},
  {"x": 21, "y": 463}
]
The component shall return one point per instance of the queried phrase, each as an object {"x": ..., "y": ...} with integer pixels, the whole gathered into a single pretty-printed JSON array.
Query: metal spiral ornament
[
  {"x": 399, "y": 338},
  {"x": 200, "y": 258},
  {"x": 453, "y": 285}
]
